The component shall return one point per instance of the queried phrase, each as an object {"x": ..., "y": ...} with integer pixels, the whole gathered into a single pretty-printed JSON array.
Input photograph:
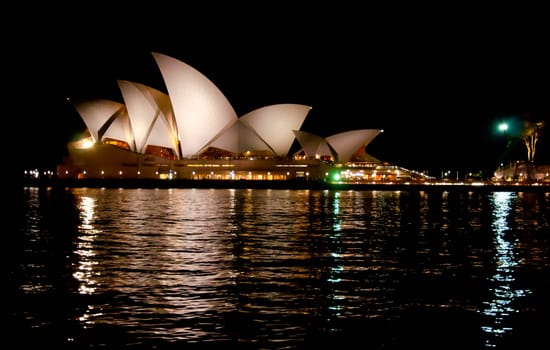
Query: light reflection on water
[
  {"x": 278, "y": 269},
  {"x": 84, "y": 247},
  {"x": 504, "y": 292}
]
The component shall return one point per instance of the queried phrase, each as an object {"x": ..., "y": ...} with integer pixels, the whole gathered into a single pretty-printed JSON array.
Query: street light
[{"x": 503, "y": 127}]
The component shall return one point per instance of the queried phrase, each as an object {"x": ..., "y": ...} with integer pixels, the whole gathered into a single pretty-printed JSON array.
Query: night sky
[{"x": 438, "y": 86}]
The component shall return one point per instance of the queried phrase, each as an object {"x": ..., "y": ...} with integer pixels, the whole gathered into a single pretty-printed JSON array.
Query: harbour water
[{"x": 93, "y": 268}]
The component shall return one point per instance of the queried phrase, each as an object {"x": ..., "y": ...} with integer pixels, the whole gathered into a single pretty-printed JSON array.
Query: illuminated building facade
[{"x": 193, "y": 132}]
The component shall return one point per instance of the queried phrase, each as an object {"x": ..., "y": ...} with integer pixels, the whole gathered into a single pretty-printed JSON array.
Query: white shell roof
[
  {"x": 274, "y": 124},
  {"x": 313, "y": 145},
  {"x": 239, "y": 138},
  {"x": 96, "y": 113},
  {"x": 148, "y": 111},
  {"x": 200, "y": 109},
  {"x": 347, "y": 143},
  {"x": 120, "y": 129},
  {"x": 195, "y": 115}
]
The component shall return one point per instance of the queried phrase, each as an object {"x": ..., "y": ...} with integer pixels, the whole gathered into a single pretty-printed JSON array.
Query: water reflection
[
  {"x": 504, "y": 293},
  {"x": 86, "y": 261},
  {"x": 163, "y": 257},
  {"x": 281, "y": 269},
  {"x": 337, "y": 302},
  {"x": 84, "y": 247}
]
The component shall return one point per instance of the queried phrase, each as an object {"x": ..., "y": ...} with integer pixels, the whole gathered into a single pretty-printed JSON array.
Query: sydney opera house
[{"x": 192, "y": 132}]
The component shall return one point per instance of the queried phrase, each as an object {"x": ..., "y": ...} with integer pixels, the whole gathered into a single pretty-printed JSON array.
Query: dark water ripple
[{"x": 279, "y": 269}]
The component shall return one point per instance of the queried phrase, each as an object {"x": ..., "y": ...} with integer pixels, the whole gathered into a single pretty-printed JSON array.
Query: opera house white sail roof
[
  {"x": 194, "y": 115},
  {"x": 100, "y": 114},
  {"x": 340, "y": 147},
  {"x": 200, "y": 108},
  {"x": 151, "y": 118}
]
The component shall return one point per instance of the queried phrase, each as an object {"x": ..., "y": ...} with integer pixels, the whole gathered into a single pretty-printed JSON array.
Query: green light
[
  {"x": 509, "y": 126},
  {"x": 336, "y": 177},
  {"x": 503, "y": 127}
]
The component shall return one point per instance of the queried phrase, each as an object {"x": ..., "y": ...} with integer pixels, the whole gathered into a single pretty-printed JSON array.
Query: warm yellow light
[{"x": 86, "y": 143}]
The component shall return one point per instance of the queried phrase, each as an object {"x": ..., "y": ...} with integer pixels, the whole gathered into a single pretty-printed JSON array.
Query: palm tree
[{"x": 530, "y": 135}]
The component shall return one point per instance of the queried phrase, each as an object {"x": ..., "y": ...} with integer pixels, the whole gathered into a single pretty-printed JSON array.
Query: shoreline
[{"x": 286, "y": 184}]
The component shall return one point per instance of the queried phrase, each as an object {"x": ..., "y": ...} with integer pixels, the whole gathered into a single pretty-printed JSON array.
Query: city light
[{"x": 503, "y": 127}]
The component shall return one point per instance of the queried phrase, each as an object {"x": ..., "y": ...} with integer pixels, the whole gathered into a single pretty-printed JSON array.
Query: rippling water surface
[{"x": 279, "y": 269}]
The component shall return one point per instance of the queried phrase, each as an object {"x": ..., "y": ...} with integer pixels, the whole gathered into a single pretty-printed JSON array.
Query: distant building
[
  {"x": 193, "y": 132},
  {"x": 521, "y": 171}
]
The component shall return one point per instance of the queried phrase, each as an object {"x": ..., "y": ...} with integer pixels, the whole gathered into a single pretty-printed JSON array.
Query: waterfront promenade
[{"x": 291, "y": 184}]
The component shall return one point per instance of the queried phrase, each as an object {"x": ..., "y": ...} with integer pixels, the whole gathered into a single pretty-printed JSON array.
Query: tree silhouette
[{"x": 530, "y": 135}]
